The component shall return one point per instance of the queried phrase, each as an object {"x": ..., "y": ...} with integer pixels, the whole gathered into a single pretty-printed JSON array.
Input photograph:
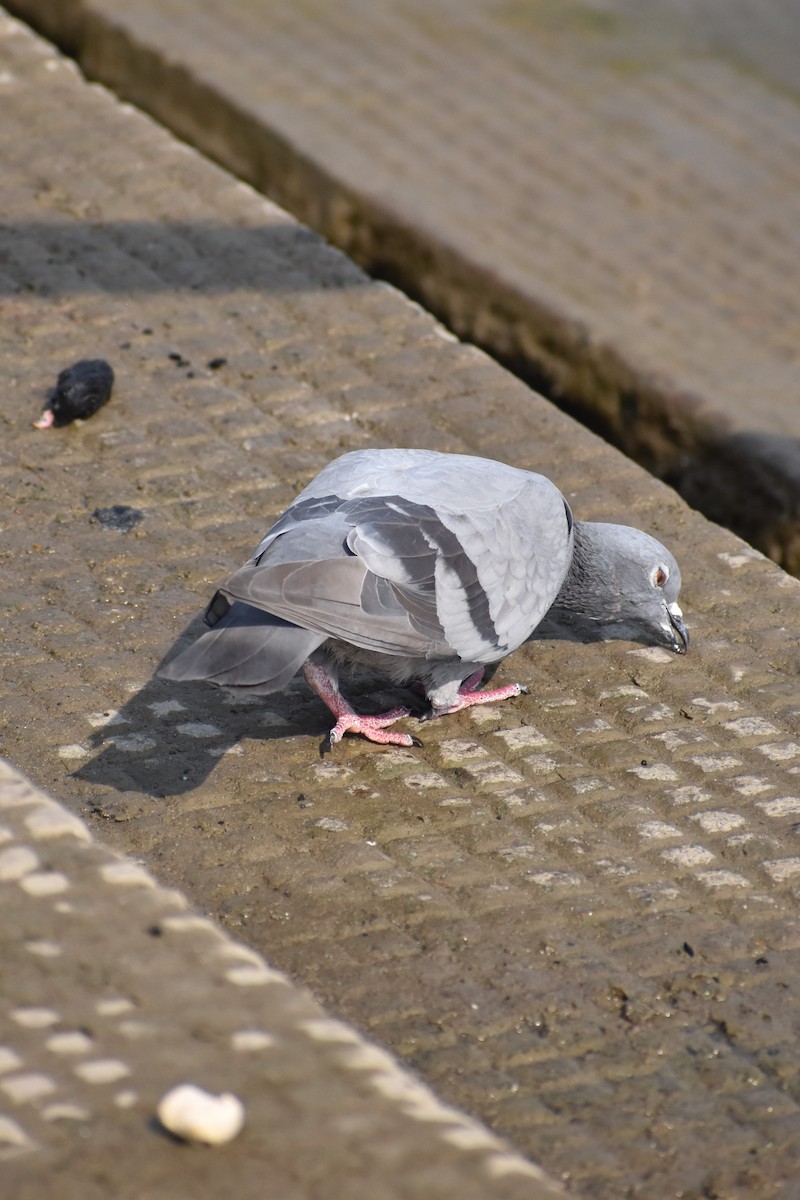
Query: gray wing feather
[
  {"x": 328, "y": 596},
  {"x": 247, "y": 648}
]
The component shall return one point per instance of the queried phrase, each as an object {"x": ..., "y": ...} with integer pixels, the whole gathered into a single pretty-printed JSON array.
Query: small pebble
[{"x": 195, "y": 1115}]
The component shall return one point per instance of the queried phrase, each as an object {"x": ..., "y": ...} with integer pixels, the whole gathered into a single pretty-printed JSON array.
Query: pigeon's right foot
[{"x": 467, "y": 695}]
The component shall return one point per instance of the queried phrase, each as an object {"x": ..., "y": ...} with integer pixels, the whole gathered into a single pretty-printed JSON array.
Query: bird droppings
[
  {"x": 80, "y": 391},
  {"x": 120, "y": 518},
  {"x": 195, "y": 1115}
]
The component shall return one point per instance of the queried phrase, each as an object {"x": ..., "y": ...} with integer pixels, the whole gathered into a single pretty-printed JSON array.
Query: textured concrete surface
[
  {"x": 114, "y": 991},
  {"x": 575, "y": 915},
  {"x": 605, "y": 193}
]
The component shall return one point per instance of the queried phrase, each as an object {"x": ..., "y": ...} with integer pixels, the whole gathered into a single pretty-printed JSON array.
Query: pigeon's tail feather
[{"x": 244, "y": 648}]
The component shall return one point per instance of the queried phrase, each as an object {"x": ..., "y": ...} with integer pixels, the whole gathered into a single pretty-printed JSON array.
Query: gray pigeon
[{"x": 426, "y": 567}]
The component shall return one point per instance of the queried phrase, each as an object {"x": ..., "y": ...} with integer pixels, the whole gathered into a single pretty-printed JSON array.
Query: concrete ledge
[
  {"x": 115, "y": 991},
  {"x": 603, "y": 199}
]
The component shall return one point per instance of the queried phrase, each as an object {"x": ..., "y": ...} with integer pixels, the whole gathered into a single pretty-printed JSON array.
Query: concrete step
[
  {"x": 607, "y": 197},
  {"x": 115, "y": 991}
]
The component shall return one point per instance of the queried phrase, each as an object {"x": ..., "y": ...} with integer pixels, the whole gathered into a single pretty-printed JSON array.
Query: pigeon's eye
[{"x": 659, "y": 577}]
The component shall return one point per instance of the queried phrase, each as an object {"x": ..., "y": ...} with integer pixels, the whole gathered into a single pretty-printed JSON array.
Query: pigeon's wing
[
  {"x": 464, "y": 561},
  {"x": 485, "y": 569},
  {"x": 311, "y": 576},
  {"x": 245, "y": 648}
]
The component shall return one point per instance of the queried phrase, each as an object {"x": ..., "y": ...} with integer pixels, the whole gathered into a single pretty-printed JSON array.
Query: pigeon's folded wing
[{"x": 392, "y": 574}]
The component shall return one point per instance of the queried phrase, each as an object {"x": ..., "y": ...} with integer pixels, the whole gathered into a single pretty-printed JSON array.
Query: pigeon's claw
[
  {"x": 347, "y": 720},
  {"x": 372, "y": 728}
]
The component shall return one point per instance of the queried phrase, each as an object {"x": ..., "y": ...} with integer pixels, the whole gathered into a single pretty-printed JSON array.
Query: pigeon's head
[
  {"x": 622, "y": 584},
  {"x": 646, "y": 580}
]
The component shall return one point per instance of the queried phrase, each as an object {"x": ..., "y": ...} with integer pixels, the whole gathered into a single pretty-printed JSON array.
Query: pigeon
[
  {"x": 80, "y": 390},
  {"x": 426, "y": 568}
]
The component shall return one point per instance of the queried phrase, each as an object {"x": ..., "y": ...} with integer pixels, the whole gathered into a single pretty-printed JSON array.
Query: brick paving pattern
[
  {"x": 574, "y": 915},
  {"x": 114, "y": 991}
]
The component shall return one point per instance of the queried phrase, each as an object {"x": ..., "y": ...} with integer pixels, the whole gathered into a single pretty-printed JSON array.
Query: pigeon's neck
[{"x": 585, "y": 589}]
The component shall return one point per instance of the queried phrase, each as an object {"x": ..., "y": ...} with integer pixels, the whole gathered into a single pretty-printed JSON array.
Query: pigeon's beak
[{"x": 676, "y": 631}]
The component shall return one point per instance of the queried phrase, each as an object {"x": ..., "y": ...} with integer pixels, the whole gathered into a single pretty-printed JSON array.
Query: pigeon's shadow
[{"x": 167, "y": 738}]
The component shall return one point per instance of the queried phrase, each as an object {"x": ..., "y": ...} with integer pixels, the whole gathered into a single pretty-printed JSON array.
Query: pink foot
[
  {"x": 467, "y": 696},
  {"x": 349, "y": 721},
  {"x": 45, "y": 420},
  {"x": 373, "y": 728}
]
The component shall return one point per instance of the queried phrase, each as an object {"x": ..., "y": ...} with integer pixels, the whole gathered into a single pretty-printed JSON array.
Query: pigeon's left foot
[
  {"x": 467, "y": 696},
  {"x": 45, "y": 420},
  {"x": 372, "y": 728},
  {"x": 348, "y": 720}
]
